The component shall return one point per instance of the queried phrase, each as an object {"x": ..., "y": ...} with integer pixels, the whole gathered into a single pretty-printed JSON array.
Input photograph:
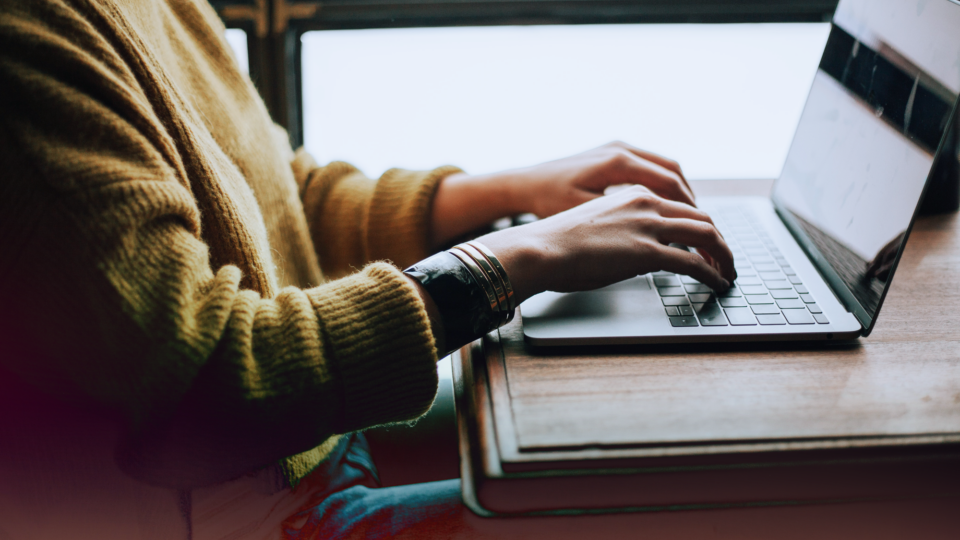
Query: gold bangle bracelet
[
  {"x": 481, "y": 278},
  {"x": 491, "y": 276},
  {"x": 497, "y": 278},
  {"x": 501, "y": 271}
]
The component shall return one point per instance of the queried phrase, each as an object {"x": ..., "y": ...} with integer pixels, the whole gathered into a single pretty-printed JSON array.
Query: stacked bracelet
[
  {"x": 502, "y": 275},
  {"x": 491, "y": 275},
  {"x": 470, "y": 288}
]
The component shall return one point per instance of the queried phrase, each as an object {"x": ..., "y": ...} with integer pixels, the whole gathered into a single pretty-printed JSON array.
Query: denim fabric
[{"x": 348, "y": 502}]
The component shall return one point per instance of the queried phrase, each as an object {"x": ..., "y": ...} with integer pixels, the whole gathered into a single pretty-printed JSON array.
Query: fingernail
[{"x": 726, "y": 284}]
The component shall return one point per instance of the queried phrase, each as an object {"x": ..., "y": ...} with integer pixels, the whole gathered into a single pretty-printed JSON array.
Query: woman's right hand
[{"x": 610, "y": 239}]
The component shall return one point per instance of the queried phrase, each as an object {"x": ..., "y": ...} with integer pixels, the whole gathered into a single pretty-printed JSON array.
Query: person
[{"x": 198, "y": 320}]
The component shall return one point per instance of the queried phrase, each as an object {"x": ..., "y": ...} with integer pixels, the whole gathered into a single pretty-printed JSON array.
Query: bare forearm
[{"x": 465, "y": 203}]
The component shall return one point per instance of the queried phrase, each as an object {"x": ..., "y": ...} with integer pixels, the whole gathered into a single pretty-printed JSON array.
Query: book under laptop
[{"x": 815, "y": 260}]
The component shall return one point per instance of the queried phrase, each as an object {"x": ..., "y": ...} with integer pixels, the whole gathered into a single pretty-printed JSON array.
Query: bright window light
[
  {"x": 723, "y": 100},
  {"x": 238, "y": 42}
]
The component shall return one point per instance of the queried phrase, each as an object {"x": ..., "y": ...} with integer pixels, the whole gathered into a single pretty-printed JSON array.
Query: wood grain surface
[{"x": 901, "y": 382}]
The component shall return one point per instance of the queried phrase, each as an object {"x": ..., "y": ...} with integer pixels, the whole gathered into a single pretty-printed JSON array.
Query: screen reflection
[{"x": 880, "y": 102}]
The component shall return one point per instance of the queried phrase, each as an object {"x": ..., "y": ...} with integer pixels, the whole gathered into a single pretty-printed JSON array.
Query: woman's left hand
[{"x": 464, "y": 203}]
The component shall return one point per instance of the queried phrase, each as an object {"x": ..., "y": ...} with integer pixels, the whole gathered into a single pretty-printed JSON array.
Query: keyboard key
[
  {"x": 763, "y": 259},
  {"x": 686, "y": 311},
  {"x": 765, "y": 310},
  {"x": 675, "y": 301},
  {"x": 782, "y": 262},
  {"x": 821, "y": 318},
  {"x": 673, "y": 311},
  {"x": 795, "y": 280},
  {"x": 671, "y": 291},
  {"x": 771, "y": 319},
  {"x": 814, "y": 308},
  {"x": 746, "y": 273},
  {"x": 790, "y": 304},
  {"x": 683, "y": 321},
  {"x": 740, "y": 264},
  {"x": 767, "y": 276},
  {"x": 753, "y": 289},
  {"x": 711, "y": 315},
  {"x": 807, "y": 298},
  {"x": 802, "y": 289},
  {"x": 732, "y": 292},
  {"x": 781, "y": 295},
  {"x": 741, "y": 280},
  {"x": 688, "y": 279},
  {"x": 702, "y": 298},
  {"x": 770, "y": 267},
  {"x": 698, "y": 288},
  {"x": 797, "y": 316},
  {"x": 778, "y": 285},
  {"x": 739, "y": 316},
  {"x": 666, "y": 281},
  {"x": 788, "y": 271},
  {"x": 733, "y": 302},
  {"x": 754, "y": 251},
  {"x": 755, "y": 299}
]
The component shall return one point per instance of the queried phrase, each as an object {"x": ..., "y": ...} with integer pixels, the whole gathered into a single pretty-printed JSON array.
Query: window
[
  {"x": 274, "y": 27},
  {"x": 237, "y": 39},
  {"x": 722, "y": 99}
]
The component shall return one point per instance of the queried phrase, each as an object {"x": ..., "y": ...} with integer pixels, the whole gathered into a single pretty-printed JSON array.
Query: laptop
[{"x": 816, "y": 258}]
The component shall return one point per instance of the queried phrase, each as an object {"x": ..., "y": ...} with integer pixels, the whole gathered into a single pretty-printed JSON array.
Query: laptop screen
[{"x": 878, "y": 109}]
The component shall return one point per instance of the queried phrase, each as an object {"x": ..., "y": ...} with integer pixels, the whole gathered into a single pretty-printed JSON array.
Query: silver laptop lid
[{"x": 875, "y": 119}]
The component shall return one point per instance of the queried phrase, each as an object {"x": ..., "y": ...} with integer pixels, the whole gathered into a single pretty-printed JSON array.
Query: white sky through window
[
  {"x": 723, "y": 100},
  {"x": 238, "y": 42}
]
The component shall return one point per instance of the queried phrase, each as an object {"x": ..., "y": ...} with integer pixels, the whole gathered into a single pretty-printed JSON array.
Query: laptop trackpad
[{"x": 629, "y": 297}]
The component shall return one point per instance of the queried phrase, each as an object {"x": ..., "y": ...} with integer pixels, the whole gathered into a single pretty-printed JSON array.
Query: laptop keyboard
[{"x": 766, "y": 292}]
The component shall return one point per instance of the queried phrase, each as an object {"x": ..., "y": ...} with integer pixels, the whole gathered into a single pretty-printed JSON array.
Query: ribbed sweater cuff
[
  {"x": 399, "y": 218},
  {"x": 377, "y": 332}
]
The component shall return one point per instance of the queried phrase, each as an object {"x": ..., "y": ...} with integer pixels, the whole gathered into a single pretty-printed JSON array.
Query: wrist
[
  {"x": 523, "y": 259},
  {"x": 508, "y": 189},
  {"x": 465, "y": 203}
]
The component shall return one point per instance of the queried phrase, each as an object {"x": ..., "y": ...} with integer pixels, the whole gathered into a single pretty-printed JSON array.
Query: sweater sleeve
[
  {"x": 119, "y": 305},
  {"x": 354, "y": 219}
]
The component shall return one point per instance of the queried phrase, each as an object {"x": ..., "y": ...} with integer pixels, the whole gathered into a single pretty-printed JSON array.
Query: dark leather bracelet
[{"x": 463, "y": 304}]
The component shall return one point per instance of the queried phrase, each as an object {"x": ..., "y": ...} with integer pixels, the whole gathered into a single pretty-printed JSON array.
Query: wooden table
[{"x": 573, "y": 430}]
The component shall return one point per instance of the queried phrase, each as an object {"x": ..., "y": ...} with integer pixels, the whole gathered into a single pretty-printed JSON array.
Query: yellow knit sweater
[{"x": 162, "y": 250}]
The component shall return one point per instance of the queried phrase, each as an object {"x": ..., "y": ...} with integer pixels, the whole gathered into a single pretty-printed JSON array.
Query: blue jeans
[{"x": 351, "y": 503}]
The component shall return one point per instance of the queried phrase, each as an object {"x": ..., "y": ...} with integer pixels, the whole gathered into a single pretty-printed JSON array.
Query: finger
[
  {"x": 703, "y": 254},
  {"x": 673, "y": 209},
  {"x": 664, "y": 162},
  {"x": 690, "y": 264},
  {"x": 661, "y": 181},
  {"x": 703, "y": 236}
]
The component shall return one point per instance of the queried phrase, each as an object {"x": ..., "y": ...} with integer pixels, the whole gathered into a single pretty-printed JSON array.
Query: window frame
[{"x": 274, "y": 27}]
